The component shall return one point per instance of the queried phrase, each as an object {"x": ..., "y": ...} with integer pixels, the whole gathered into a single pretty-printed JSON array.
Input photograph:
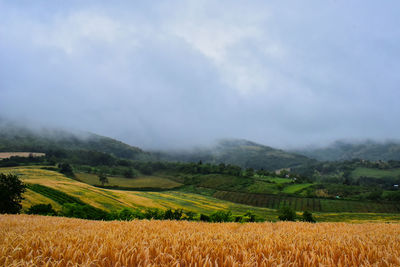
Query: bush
[
  {"x": 307, "y": 217},
  {"x": 249, "y": 217},
  {"x": 204, "y": 218},
  {"x": 83, "y": 212},
  {"x": 153, "y": 213},
  {"x": 221, "y": 216},
  {"x": 42, "y": 209},
  {"x": 173, "y": 214},
  {"x": 393, "y": 196},
  {"x": 127, "y": 215},
  {"x": 375, "y": 195},
  {"x": 190, "y": 215},
  {"x": 238, "y": 218},
  {"x": 287, "y": 214}
]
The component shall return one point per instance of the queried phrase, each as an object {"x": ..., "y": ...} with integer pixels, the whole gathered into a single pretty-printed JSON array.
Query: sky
[{"x": 175, "y": 74}]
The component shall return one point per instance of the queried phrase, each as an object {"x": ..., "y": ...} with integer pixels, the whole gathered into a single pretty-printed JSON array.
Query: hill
[
  {"x": 17, "y": 138},
  {"x": 368, "y": 150},
  {"x": 54, "y": 188},
  {"x": 243, "y": 153}
]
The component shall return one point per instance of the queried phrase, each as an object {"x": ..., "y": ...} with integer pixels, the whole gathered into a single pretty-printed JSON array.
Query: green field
[
  {"x": 294, "y": 188},
  {"x": 376, "y": 173},
  {"x": 138, "y": 182}
]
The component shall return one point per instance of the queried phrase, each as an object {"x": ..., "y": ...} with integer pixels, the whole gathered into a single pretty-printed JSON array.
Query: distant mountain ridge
[
  {"x": 344, "y": 150},
  {"x": 244, "y": 153},
  {"x": 18, "y": 138}
]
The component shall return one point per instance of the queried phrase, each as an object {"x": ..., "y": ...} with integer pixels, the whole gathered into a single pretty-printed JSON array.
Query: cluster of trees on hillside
[
  {"x": 288, "y": 214},
  {"x": 339, "y": 172},
  {"x": 17, "y": 161},
  {"x": 75, "y": 210}
]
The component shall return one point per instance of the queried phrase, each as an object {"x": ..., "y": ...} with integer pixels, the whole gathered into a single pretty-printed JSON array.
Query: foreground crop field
[{"x": 54, "y": 241}]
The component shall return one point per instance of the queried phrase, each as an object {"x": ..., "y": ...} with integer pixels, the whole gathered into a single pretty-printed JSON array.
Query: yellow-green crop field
[
  {"x": 138, "y": 182},
  {"x": 109, "y": 200},
  {"x": 112, "y": 200}
]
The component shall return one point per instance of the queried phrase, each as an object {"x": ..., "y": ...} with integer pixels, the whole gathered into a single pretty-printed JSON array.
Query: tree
[
  {"x": 221, "y": 216},
  {"x": 287, "y": 214},
  {"x": 11, "y": 189},
  {"x": 103, "y": 178},
  {"x": 66, "y": 169},
  {"x": 307, "y": 217},
  {"x": 129, "y": 173},
  {"x": 249, "y": 172}
]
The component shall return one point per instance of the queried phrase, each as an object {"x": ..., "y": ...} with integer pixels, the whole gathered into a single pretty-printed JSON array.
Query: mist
[{"x": 172, "y": 75}]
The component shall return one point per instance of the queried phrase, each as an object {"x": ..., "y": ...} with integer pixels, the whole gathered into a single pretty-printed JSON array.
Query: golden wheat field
[{"x": 54, "y": 241}]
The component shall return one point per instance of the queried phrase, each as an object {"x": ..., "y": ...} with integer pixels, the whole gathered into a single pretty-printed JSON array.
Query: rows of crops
[
  {"x": 311, "y": 204},
  {"x": 56, "y": 195},
  {"x": 55, "y": 241}
]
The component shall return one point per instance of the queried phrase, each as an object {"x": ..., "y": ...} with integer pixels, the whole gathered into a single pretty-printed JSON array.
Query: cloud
[{"x": 180, "y": 74}]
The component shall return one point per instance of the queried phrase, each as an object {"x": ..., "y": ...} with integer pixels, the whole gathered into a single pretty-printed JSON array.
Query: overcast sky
[{"x": 171, "y": 74}]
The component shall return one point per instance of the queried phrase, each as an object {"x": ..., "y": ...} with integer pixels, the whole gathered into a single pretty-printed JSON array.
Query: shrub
[
  {"x": 83, "y": 211},
  {"x": 221, "y": 216},
  {"x": 287, "y": 214},
  {"x": 204, "y": 218},
  {"x": 238, "y": 218},
  {"x": 249, "y": 217},
  {"x": 127, "y": 215},
  {"x": 307, "y": 217},
  {"x": 153, "y": 213},
  {"x": 42, "y": 209}
]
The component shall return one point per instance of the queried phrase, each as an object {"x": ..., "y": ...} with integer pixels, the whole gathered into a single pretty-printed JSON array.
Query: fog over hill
[
  {"x": 15, "y": 137},
  {"x": 173, "y": 75}
]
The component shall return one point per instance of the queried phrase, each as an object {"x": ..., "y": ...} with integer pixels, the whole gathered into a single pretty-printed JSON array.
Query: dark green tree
[
  {"x": 307, "y": 217},
  {"x": 129, "y": 173},
  {"x": 11, "y": 189},
  {"x": 66, "y": 169},
  {"x": 103, "y": 178},
  {"x": 287, "y": 214},
  {"x": 204, "y": 218}
]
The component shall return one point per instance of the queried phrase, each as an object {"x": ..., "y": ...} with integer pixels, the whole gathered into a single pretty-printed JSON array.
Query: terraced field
[
  {"x": 376, "y": 173},
  {"x": 311, "y": 204},
  {"x": 110, "y": 200}
]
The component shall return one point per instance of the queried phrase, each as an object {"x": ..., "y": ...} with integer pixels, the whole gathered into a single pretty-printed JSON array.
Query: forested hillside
[
  {"x": 243, "y": 153},
  {"x": 368, "y": 150},
  {"x": 17, "y": 138}
]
